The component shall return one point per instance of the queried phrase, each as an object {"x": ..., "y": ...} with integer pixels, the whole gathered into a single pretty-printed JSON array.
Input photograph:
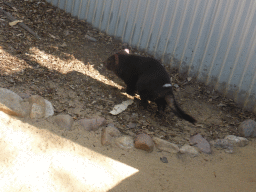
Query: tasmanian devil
[{"x": 149, "y": 78}]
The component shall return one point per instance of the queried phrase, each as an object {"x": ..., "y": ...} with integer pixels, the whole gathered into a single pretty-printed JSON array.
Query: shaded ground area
[{"x": 66, "y": 68}]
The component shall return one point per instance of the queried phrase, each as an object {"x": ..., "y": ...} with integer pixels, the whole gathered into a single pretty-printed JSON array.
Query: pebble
[
  {"x": 108, "y": 133},
  {"x": 165, "y": 145},
  {"x": 221, "y": 143},
  {"x": 164, "y": 159},
  {"x": 125, "y": 142},
  {"x": 64, "y": 121},
  {"x": 247, "y": 128},
  {"x": 229, "y": 150},
  {"x": 192, "y": 151},
  {"x": 144, "y": 142},
  {"x": 131, "y": 125},
  {"x": 37, "y": 104},
  {"x": 237, "y": 141},
  {"x": 49, "y": 110},
  {"x": 201, "y": 143},
  {"x": 90, "y": 38},
  {"x": 92, "y": 124}
]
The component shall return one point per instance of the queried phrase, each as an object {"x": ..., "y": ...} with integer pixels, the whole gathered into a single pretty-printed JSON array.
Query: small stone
[
  {"x": 64, "y": 121},
  {"x": 202, "y": 144},
  {"x": 90, "y": 38},
  {"x": 10, "y": 103},
  {"x": 37, "y": 110},
  {"x": 125, "y": 142},
  {"x": 221, "y": 143},
  {"x": 237, "y": 141},
  {"x": 49, "y": 110},
  {"x": 247, "y": 128},
  {"x": 92, "y": 124},
  {"x": 164, "y": 159},
  {"x": 144, "y": 142},
  {"x": 165, "y": 145},
  {"x": 192, "y": 151},
  {"x": 229, "y": 150},
  {"x": 131, "y": 125},
  {"x": 131, "y": 133},
  {"x": 108, "y": 133}
]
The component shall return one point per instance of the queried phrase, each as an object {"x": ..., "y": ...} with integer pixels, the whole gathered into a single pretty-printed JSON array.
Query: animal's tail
[{"x": 172, "y": 102}]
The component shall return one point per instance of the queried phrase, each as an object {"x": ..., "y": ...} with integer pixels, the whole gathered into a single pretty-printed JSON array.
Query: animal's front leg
[{"x": 131, "y": 90}]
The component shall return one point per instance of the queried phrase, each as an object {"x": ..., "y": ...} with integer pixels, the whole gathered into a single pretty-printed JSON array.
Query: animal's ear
[{"x": 127, "y": 51}]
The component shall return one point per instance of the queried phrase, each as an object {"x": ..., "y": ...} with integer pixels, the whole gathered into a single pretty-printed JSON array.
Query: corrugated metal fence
[{"x": 212, "y": 40}]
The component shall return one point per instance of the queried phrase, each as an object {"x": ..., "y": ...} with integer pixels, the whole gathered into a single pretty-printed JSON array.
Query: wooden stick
[{"x": 11, "y": 18}]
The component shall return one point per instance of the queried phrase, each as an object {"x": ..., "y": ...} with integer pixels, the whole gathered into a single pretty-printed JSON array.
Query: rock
[
  {"x": 108, "y": 133},
  {"x": 37, "y": 109},
  {"x": 165, "y": 145},
  {"x": 192, "y": 151},
  {"x": 144, "y": 142},
  {"x": 131, "y": 125},
  {"x": 10, "y": 103},
  {"x": 229, "y": 150},
  {"x": 92, "y": 124},
  {"x": 221, "y": 143},
  {"x": 64, "y": 121},
  {"x": 131, "y": 133},
  {"x": 90, "y": 38},
  {"x": 164, "y": 159},
  {"x": 201, "y": 143},
  {"x": 247, "y": 128},
  {"x": 237, "y": 141},
  {"x": 49, "y": 110},
  {"x": 125, "y": 142}
]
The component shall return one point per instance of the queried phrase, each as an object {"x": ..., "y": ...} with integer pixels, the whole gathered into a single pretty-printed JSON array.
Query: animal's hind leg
[{"x": 161, "y": 104}]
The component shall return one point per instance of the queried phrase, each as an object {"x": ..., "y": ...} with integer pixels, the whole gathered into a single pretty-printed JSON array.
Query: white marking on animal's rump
[{"x": 167, "y": 85}]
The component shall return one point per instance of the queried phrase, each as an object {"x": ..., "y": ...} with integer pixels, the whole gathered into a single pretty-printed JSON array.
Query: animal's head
[{"x": 112, "y": 62}]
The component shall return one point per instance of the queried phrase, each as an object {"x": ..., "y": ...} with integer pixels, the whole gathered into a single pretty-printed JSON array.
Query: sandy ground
[{"x": 66, "y": 68}]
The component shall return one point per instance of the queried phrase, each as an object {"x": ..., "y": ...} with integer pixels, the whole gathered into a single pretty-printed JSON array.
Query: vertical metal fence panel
[
  {"x": 62, "y": 4},
  {"x": 54, "y": 2},
  {"x": 211, "y": 40}
]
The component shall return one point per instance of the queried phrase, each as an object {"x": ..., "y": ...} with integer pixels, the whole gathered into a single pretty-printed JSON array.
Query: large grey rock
[
  {"x": 165, "y": 145},
  {"x": 201, "y": 143},
  {"x": 247, "y": 128},
  {"x": 10, "y": 103}
]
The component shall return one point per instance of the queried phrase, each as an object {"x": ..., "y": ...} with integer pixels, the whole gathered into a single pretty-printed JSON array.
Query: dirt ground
[{"x": 66, "y": 68}]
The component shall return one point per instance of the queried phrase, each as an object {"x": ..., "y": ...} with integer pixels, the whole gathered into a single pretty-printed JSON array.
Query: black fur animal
[{"x": 147, "y": 76}]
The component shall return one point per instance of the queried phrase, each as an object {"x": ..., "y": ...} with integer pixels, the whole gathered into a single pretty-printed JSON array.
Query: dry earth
[{"x": 64, "y": 67}]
